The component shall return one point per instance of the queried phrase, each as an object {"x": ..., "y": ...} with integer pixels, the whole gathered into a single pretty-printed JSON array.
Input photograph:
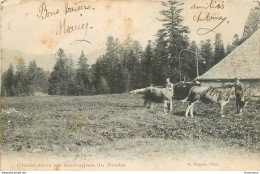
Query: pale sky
[{"x": 22, "y": 30}]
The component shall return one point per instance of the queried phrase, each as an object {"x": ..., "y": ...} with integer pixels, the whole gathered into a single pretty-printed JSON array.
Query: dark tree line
[
  {"x": 125, "y": 66},
  {"x": 66, "y": 78},
  {"x": 69, "y": 79},
  {"x": 24, "y": 81}
]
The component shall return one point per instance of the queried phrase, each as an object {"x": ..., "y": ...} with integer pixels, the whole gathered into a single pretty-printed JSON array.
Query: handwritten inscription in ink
[
  {"x": 65, "y": 26},
  {"x": 209, "y": 11}
]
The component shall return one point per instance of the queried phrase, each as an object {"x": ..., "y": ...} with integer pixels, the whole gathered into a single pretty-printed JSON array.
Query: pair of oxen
[{"x": 191, "y": 93}]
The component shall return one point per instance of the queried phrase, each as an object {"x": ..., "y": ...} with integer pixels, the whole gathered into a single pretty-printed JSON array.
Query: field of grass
[{"x": 119, "y": 127}]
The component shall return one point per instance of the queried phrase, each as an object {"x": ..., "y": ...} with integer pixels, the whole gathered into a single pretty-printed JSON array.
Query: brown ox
[
  {"x": 158, "y": 95},
  {"x": 218, "y": 95}
]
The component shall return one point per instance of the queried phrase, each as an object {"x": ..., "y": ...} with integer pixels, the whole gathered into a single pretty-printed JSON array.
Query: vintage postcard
[{"x": 147, "y": 85}]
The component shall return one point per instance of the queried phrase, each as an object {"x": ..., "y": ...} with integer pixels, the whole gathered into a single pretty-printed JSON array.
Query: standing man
[
  {"x": 239, "y": 91},
  {"x": 168, "y": 84}
]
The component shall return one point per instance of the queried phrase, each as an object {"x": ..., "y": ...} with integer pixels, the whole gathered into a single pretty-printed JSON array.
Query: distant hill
[{"x": 45, "y": 61}]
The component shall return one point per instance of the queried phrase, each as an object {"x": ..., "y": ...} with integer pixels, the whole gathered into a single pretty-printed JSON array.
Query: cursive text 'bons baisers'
[{"x": 64, "y": 26}]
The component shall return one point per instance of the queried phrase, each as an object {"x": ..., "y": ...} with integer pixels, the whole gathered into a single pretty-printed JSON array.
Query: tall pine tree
[
  {"x": 219, "y": 52},
  {"x": 21, "y": 86},
  {"x": 175, "y": 34},
  {"x": 62, "y": 78},
  {"x": 8, "y": 82},
  {"x": 147, "y": 65},
  {"x": 161, "y": 63},
  {"x": 206, "y": 51},
  {"x": 83, "y": 76}
]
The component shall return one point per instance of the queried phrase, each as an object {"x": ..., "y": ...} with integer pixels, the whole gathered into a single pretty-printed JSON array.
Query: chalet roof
[{"x": 243, "y": 62}]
